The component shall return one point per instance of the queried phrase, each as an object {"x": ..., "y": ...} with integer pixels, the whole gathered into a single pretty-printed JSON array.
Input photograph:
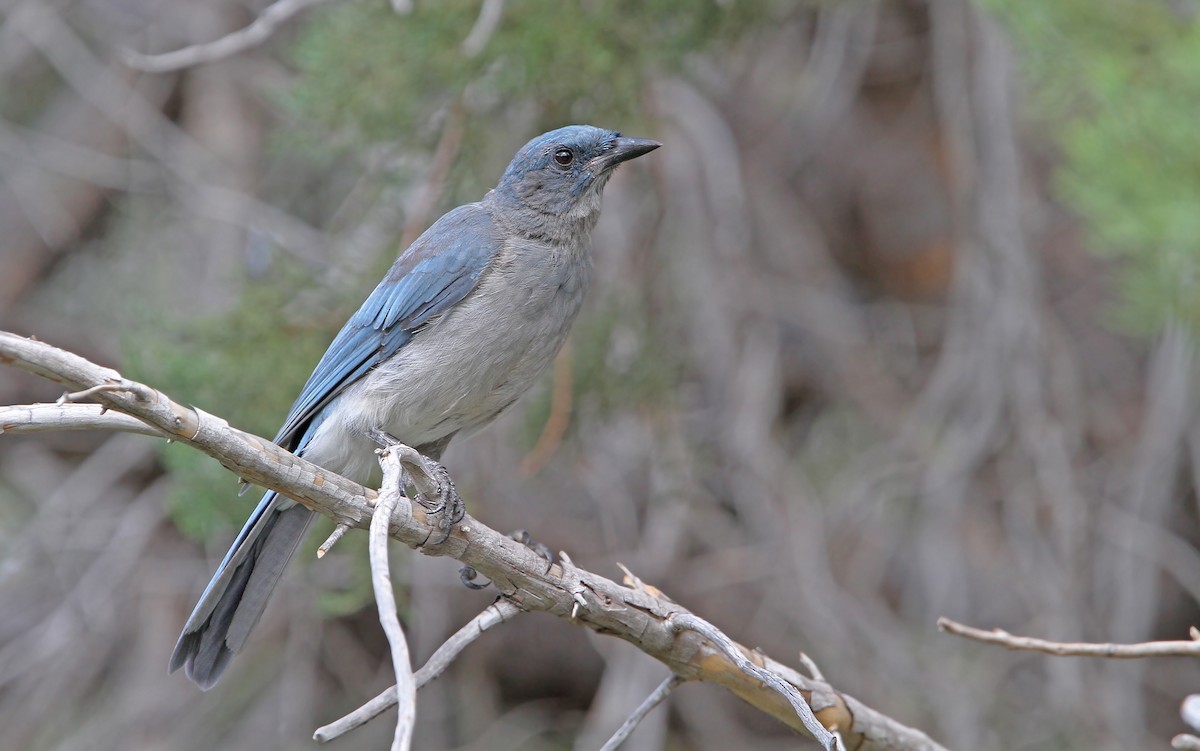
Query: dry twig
[
  {"x": 1072, "y": 649},
  {"x": 385, "y": 598},
  {"x": 501, "y": 611},
  {"x": 655, "y": 698}
]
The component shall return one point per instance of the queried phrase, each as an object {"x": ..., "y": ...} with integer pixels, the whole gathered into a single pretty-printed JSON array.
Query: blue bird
[{"x": 464, "y": 322}]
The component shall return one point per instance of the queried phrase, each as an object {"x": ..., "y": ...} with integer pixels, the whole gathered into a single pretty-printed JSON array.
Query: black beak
[{"x": 622, "y": 150}]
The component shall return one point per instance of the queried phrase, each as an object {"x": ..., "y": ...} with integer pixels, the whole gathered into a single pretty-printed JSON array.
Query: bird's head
[{"x": 560, "y": 174}]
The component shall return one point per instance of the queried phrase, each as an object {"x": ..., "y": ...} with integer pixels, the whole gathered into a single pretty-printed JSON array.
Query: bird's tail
[{"x": 237, "y": 595}]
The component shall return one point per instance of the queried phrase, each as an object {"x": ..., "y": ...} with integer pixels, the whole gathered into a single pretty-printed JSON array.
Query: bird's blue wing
[{"x": 437, "y": 271}]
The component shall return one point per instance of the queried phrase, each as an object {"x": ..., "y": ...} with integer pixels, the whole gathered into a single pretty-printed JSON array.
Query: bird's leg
[{"x": 434, "y": 489}]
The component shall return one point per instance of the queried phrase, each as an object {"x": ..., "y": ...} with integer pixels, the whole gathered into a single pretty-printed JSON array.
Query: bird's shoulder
[{"x": 435, "y": 273}]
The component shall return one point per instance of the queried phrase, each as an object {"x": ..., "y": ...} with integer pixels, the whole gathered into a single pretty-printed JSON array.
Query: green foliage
[
  {"x": 247, "y": 365},
  {"x": 1119, "y": 84},
  {"x": 369, "y": 75},
  {"x": 364, "y": 67}
]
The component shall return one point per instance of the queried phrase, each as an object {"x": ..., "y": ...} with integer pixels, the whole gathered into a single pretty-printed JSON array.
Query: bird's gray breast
[{"x": 463, "y": 368}]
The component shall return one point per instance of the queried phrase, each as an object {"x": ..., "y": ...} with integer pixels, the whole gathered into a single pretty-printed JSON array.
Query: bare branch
[
  {"x": 184, "y": 162},
  {"x": 736, "y": 653},
  {"x": 273, "y": 16},
  {"x": 385, "y": 598},
  {"x": 653, "y": 623},
  {"x": 1072, "y": 649},
  {"x": 485, "y": 25},
  {"x": 501, "y": 611},
  {"x": 655, "y": 698},
  {"x": 37, "y": 418}
]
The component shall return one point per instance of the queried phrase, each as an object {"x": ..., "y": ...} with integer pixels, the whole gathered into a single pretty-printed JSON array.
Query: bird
[{"x": 462, "y": 324}]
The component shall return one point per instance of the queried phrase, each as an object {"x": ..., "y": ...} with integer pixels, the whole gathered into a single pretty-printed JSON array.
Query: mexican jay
[{"x": 465, "y": 321}]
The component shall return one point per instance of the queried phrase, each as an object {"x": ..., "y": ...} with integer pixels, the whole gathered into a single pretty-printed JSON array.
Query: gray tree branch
[{"x": 640, "y": 616}]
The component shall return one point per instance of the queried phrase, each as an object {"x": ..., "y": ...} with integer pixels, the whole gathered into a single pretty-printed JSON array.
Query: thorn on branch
[
  {"x": 632, "y": 581},
  {"x": 811, "y": 667},
  {"x": 570, "y": 572}
]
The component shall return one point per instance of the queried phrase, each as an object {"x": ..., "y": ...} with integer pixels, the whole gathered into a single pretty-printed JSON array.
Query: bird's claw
[
  {"x": 447, "y": 508},
  {"x": 467, "y": 576},
  {"x": 523, "y": 537}
]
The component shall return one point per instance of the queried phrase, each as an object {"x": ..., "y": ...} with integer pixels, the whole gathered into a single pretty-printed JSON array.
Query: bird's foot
[
  {"x": 444, "y": 506},
  {"x": 525, "y": 539},
  {"x": 432, "y": 486},
  {"x": 468, "y": 575}
]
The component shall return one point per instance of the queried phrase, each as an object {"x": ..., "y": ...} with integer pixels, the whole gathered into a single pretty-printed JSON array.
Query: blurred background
[{"x": 899, "y": 324}]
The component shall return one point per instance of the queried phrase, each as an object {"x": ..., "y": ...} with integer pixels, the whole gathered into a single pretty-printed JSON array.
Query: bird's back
[{"x": 463, "y": 367}]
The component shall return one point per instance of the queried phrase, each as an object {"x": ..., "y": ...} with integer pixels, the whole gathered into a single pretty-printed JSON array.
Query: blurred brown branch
[
  {"x": 1075, "y": 649},
  {"x": 657, "y": 626}
]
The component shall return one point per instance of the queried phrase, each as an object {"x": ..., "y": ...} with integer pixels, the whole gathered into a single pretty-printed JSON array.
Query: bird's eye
[{"x": 564, "y": 156}]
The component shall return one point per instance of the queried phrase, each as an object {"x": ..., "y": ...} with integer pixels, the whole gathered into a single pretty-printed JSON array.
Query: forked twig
[{"x": 500, "y": 611}]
